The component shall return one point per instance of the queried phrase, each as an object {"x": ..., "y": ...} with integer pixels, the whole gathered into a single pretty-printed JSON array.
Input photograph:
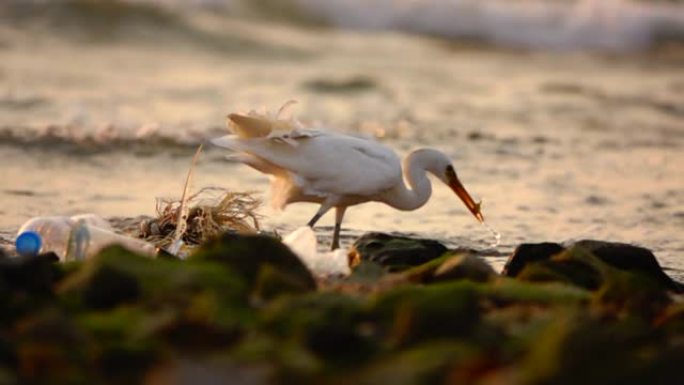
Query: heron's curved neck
[{"x": 419, "y": 189}]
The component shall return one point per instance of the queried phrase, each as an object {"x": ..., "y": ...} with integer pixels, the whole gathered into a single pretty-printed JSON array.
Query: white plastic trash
[
  {"x": 304, "y": 244},
  {"x": 78, "y": 238}
]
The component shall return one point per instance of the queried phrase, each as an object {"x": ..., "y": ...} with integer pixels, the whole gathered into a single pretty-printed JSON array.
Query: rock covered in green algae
[
  {"x": 419, "y": 260},
  {"x": 266, "y": 264},
  {"x": 619, "y": 255},
  {"x": 395, "y": 253},
  {"x": 117, "y": 276},
  {"x": 132, "y": 313},
  {"x": 412, "y": 313},
  {"x": 632, "y": 258},
  {"x": 50, "y": 349},
  {"x": 581, "y": 349},
  {"x": 616, "y": 291},
  {"x": 33, "y": 274},
  {"x": 464, "y": 266},
  {"x": 430, "y": 363},
  {"x": 451, "y": 267},
  {"x": 123, "y": 318},
  {"x": 673, "y": 319},
  {"x": 332, "y": 326},
  {"x": 562, "y": 269},
  {"x": 528, "y": 253},
  {"x": 26, "y": 283}
]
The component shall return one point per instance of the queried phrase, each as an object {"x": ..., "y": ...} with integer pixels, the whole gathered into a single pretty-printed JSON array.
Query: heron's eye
[{"x": 450, "y": 172}]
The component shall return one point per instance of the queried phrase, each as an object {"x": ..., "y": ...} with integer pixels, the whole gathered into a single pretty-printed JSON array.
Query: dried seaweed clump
[{"x": 213, "y": 210}]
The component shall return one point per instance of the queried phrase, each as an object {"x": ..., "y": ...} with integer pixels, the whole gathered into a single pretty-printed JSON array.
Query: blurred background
[{"x": 565, "y": 116}]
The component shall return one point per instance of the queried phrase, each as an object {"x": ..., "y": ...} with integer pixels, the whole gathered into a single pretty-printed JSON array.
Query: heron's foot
[{"x": 335, "y": 245}]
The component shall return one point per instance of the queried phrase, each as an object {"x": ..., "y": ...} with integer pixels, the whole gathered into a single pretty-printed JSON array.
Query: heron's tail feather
[
  {"x": 263, "y": 125},
  {"x": 245, "y": 126}
]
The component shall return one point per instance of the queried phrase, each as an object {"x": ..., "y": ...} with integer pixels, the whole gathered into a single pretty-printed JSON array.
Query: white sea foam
[
  {"x": 602, "y": 25},
  {"x": 615, "y": 25}
]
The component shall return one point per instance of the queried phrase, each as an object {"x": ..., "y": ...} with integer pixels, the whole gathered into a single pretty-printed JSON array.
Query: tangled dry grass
[{"x": 212, "y": 210}]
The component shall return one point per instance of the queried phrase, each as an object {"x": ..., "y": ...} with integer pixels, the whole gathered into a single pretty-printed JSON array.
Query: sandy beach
[{"x": 559, "y": 144}]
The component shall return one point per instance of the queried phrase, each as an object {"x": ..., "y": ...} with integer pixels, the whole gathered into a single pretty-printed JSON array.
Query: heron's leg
[
  {"x": 321, "y": 211},
  {"x": 339, "y": 214}
]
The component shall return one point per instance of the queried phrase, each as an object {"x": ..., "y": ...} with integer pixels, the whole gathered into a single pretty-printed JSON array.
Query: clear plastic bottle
[{"x": 79, "y": 238}]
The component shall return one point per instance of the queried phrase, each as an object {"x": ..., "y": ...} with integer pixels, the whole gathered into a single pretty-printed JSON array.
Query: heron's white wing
[
  {"x": 292, "y": 137},
  {"x": 227, "y": 141},
  {"x": 324, "y": 163}
]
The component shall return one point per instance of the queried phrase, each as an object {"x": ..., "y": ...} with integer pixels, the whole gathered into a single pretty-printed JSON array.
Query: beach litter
[
  {"x": 179, "y": 227},
  {"x": 74, "y": 238},
  {"x": 183, "y": 224},
  {"x": 211, "y": 211},
  {"x": 304, "y": 244}
]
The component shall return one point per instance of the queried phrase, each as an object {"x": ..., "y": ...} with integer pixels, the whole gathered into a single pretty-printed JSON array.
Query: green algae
[
  {"x": 513, "y": 291},
  {"x": 395, "y": 253},
  {"x": 247, "y": 255},
  {"x": 429, "y": 363},
  {"x": 117, "y": 275},
  {"x": 579, "y": 349},
  {"x": 409, "y": 314},
  {"x": 332, "y": 326},
  {"x": 451, "y": 266},
  {"x": 245, "y": 306}
]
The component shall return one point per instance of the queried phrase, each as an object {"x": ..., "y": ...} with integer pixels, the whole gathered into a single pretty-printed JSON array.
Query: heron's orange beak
[{"x": 462, "y": 193}]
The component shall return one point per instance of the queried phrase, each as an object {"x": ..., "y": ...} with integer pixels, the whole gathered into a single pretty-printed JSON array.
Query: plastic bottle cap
[{"x": 28, "y": 243}]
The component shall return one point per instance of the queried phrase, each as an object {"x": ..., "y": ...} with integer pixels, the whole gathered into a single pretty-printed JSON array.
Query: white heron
[{"x": 336, "y": 170}]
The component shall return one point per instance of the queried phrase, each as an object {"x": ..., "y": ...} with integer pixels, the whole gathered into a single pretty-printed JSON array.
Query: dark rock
[
  {"x": 673, "y": 320},
  {"x": 451, "y": 267},
  {"x": 272, "y": 282},
  {"x": 569, "y": 345},
  {"x": 464, "y": 266},
  {"x": 395, "y": 253},
  {"x": 424, "y": 273},
  {"x": 619, "y": 292},
  {"x": 32, "y": 275},
  {"x": 50, "y": 349},
  {"x": 527, "y": 253},
  {"x": 366, "y": 272},
  {"x": 568, "y": 271},
  {"x": 110, "y": 287},
  {"x": 256, "y": 258},
  {"x": 106, "y": 280},
  {"x": 121, "y": 342},
  {"x": 664, "y": 368},
  {"x": 632, "y": 258},
  {"x": 619, "y": 255},
  {"x": 625, "y": 293}
]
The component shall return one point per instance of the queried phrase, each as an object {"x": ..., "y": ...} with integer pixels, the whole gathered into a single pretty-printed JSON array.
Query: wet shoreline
[{"x": 559, "y": 145}]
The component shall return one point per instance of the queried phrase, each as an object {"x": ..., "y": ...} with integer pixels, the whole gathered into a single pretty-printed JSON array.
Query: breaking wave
[
  {"x": 80, "y": 140},
  {"x": 602, "y": 25},
  {"x": 612, "y": 25}
]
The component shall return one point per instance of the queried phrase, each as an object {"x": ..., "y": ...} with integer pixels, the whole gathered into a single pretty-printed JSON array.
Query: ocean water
[{"x": 565, "y": 118}]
